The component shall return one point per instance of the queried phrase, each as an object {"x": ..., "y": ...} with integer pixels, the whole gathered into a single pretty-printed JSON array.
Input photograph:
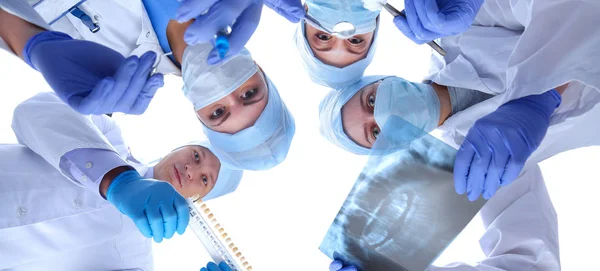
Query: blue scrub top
[{"x": 160, "y": 13}]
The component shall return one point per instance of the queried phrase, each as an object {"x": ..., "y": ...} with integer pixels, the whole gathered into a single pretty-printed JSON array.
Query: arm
[
  {"x": 555, "y": 48},
  {"x": 16, "y": 31},
  {"x": 65, "y": 139}
]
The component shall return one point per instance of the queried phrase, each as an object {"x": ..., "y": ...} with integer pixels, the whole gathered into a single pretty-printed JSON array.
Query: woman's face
[
  {"x": 358, "y": 119},
  {"x": 238, "y": 110},
  {"x": 191, "y": 170},
  {"x": 335, "y": 51}
]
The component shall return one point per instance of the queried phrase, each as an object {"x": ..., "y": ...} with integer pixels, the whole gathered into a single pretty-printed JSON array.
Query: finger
[
  {"x": 414, "y": 21},
  {"x": 224, "y": 266},
  {"x": 212, "y": 267},
  {"x": 402, "y": 25},
  {"x": 462, "y": 165},
  {"x": 189, "y": 9},
  {"x": 241, "y": 32},
  {"x": 170, "y": 220},
  {"x": 220, "y": 15},
  {"x": 136, "y": 85},
  {"x": 143, "y": 225},
  {"x": 156, "y": 222},
  {"x": 183, "y": 213},
  {"x": 434, "y": 16},
  {"x": 335, "y": 265},
  {"x": 203, "y": 269},
  {"x": 349, "y": 268},
  {"x": 293, "y": 12},
  {"x": 495, "y": 171},
  {"x": 479, "y": 166},
  {"x": 515, "y": 162},
  {"x": 143, "y": 100},
  {"x": 122, "y": 79},
  {"x": 427, "y": 10},
  {"x": 89, "y": 104}
]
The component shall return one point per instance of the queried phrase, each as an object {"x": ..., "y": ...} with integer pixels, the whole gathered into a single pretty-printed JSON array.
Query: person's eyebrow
[
  {"x": 362, "y": 98},
  {"x": 202, "y": 151},
  {"x": 254, "y": 101},
  {"x": 223, "y": 119}
]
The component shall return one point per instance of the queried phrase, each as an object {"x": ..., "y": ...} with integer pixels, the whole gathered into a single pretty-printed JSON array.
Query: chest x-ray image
[{"x": 402, "y": 211}]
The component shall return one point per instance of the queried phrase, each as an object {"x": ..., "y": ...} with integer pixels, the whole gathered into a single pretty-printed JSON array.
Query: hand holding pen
[{"x": 213, "y": 19}]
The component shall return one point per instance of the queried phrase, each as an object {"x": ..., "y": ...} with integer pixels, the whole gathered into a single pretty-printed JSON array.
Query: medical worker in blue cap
[{"x": 73, "y": 176}]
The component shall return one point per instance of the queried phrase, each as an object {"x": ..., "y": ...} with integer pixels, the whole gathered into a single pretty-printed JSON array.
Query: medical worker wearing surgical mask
[
  {"x": 74, "y": 180},
  {"x": 239, "y": 107},
  {"x": 352, "y": 118}
]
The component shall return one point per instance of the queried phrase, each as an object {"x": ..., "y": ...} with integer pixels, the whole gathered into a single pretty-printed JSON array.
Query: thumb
[{"x": 402, "y": 25}]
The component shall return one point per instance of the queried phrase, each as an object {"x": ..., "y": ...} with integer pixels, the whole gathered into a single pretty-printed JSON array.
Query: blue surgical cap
[
  {"x": 330, "y": 115},
  {"x": 228, "y": 178},
  {"x": 330, "y": 76},
  {"x": 261, "y": 146}
]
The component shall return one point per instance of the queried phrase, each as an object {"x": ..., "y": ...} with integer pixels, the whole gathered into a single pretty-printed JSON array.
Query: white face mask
[
  {"x": 204, "y": 84},
  {"x": 415, "y": 103}
]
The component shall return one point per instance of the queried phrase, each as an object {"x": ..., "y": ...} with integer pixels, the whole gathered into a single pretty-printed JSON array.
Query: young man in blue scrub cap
[
  {"x": 93, "y": 188},
  {"x": 334, "y": 61}
]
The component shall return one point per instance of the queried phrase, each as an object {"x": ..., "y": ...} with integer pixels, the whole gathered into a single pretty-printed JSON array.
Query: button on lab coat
[
  {"x": 50, "y": 221},
  {"x": 124, "y": 25},
  {"x": 523, "y": 48}
]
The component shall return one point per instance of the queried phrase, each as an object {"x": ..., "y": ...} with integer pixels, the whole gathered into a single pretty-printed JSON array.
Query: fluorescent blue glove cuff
[
  {"x": 40, "y": 38},
  {"x": 121, "y": 178}
]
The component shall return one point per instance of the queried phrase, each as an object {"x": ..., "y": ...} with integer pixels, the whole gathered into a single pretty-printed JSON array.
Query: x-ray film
[{"x": 403, "y": 210}]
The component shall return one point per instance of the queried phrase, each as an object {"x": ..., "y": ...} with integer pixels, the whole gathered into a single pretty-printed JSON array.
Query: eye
[
  {"x": 354, "y": 40},
  {"x": 196, "y": 156},
  {"x": 249, "y": 94},
  {"x": 375, "y": 132},
  {"x": 371, "y": 100},
  {"x": 323, "y": 36},
  {"x": 217, "y": 113},
  {"x": 205, "y": 180}
]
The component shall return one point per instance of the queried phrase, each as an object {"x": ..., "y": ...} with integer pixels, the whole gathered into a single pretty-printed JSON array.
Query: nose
[
  {"x": 188, "y": 172},
  {"x": 231, "y": 102}
]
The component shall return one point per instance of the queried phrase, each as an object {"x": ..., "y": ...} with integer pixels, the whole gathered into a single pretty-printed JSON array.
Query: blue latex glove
[
  {"x": 221, "y": 13},
  {"x": 214, "y": 267},
  {"x": 154, "y": 206},
  {"x": 498, "y": 145},
  {"x": 292, "y": 10},
  {"x": 92, "y": 78},
  {"x": 427, "y": 20},
  {"x": 337, "y": 265}
]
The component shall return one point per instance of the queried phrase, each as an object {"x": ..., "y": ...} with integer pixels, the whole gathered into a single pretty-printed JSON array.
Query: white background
[{"x": 279, "y": 217}]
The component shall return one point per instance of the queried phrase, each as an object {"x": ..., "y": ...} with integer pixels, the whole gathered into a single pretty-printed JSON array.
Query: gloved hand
[
  {"x": 292, "y": 10},
  {"x": 92, "y": 78},
  {"x": 498, "y": 145},
  {"x": 154, "y": 206},
  {"x": 213, "y": 15},
  {"x": 337, "y": 265},
  {"x": 213, "y": 267},
  {"x": 427, "y": 20}
]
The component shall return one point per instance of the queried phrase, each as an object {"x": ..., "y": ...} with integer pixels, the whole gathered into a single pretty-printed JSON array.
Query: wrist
[
  {"x": 110, "y": 176},
  {"x": 37, "y": 39}
]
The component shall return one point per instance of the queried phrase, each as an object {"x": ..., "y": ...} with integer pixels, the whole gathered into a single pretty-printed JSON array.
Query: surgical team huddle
[{"x": 511, "y": 84}]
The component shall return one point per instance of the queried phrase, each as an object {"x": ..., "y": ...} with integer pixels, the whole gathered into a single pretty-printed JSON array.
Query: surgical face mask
[
  {"x": 417, "y": 104},
  {"x": 329, "y": 13},
  {"x": 204, "y": 84}
]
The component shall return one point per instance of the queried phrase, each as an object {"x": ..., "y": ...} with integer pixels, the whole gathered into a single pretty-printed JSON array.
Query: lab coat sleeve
[
  {"x": 53, "y": 130},
  {"x": 521, "y": 231},
  {"x": 561, "y": 43},
  {"x": 22, "y": 9}
]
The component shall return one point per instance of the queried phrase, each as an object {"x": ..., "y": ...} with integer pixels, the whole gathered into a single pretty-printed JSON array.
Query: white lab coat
[
  {"x": 520, "y": 230},
  {"x": 50, "y": 222},
  {"x": 124, "y": 25},
  {"x": 524, "y": 47}
]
